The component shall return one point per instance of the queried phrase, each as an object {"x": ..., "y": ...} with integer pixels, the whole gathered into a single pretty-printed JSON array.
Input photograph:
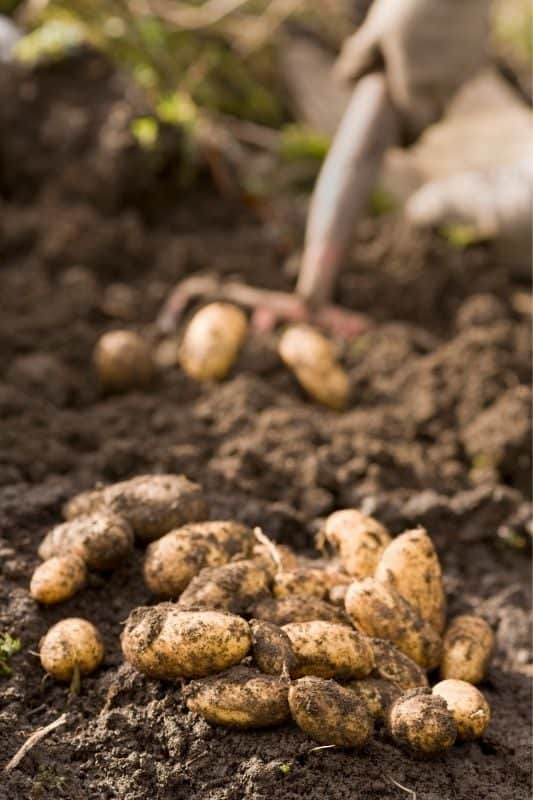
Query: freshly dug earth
[{"x": 437, "y": 433}]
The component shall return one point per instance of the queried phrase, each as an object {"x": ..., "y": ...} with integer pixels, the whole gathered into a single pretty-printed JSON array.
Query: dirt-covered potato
[
  {"x": 380, "y": 612},
  {"x": 123, "y": 361},
  {"x": 330, "y": 713},
  {"x": 422, "y": 723},
  {"x": 286, "y": 558},
  {"x": 242, "y": 697},
  {"x": 69, "y": 644},
  {"x": 311, "y": 357},
  {"x": 57, "y": 579},
  {"x": 303, "y": 581},
  {"x": 297, "y": 608},
  {"x": 212, "y": 341},
  {"x": 377, "y": 694},
  {"x": 395, "y": 667},
  {"x": 232, "y": 587},
  {"x": 175, "y": 559},
  {"x": 411, "y": 566},
  {"x": 83, "y": 503},
  {"x": 165, "y": 642},
  {"x": 358, "y": 540},
  {"x": 101, "y": 539},
  {"x": 271, "y": 648},
  {"x": 470, "y": 710},
  {"x": 329, "y": 650},
  {"x": 467, "y": 649}
]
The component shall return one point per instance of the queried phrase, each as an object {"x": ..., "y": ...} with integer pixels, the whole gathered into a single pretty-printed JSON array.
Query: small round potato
[
  {"x": 232, "y": 587},
  {"x": 311, "y": 357},
  {"x": 467, "y": 649},
  {"x": 122, "y": 360},
  {"x": 242, "y": 697},
  {"x": 165, "y": 642},
  {"x": 69, "y": 644},
  {"x": 271, "y": 648},
  {"x": 395, "y": 667},
  {"x": 329, "y": 650},
  {"x": 101, "y": 539},
  {"x": 297, "y": 608},
  {"x": 58, "y": 579},
  {"x": 83, "y": 503},
  {"x": 411, "y": 566},
  {"x": 359, "y": 541},
  {"x": 421, "y": 722},
  {"x": 379, "y": 611},
  {"x": 470, "y": 710},
  {"x": 330, "y": 713},
  {"x": 303, "y": 581},
  {"x": 212, "y": 341},
  {"x": 378, "y": 695}
]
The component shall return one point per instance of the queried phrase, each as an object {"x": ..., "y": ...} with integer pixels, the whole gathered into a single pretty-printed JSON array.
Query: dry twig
[{"x": 34, "y": 739}]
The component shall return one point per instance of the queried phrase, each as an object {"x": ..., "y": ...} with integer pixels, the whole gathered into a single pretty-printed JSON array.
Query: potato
[
  {"x": 395, "y": 667},
  {"x": 58, "y": 579},
  {"x": 329, "y": 713},
  {"x": 337, "y": 594},
  {"x": 101, "y": 539},
  {"x": 84, "y": 503},
  {"x": 411, "y": 566},
  {"x": 421, "y": 722},
  {"x": 311, "y": 357},
  {"x": 467, "y": 649},
  {"x": 122, "y": 360},
  {"x": 287, "y": 558},
  {"x": 212, "y": 341},
  {"x": 175, "y": 559},
  {"x": 296, "y": 608},
  {"x": 329, "y": 650},
  {"x": 271, "y": 648},
  {"x": 242, "y": 697},
  {"x": 470, "y": 710},
  {"x": 359, "y": 541},
  {"x": 69, "y": 644},
  {"x": 165, "y": 642},
  {"x": 231, "y": 587},
  {"x": 303, "y": 581},
  {"x": 379, "y": 611},
  {"x": 377, "y": 695}
]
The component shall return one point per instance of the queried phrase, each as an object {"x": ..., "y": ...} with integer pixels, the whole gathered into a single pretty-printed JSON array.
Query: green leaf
[{"x": 146, "y": 131}]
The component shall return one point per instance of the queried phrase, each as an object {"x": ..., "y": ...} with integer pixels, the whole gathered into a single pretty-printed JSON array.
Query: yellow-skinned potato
[
  {"x": 311, "y": 357},
  {"x": 470, "y": 710},
  {"x": 212, "y": 341},
  {"x": 411, "y": 566},
  {"x": 242, "y": 697},
  {"x": 330, "y": 713},
  {"x": 123, "y": 361},
  {"x": 286, "y": 557},
  {"x": 101, "y": 539},
  {"x": 271, "y": 648},
  {"x": 297, "y": 608},
  {"x": 83, "y": 503},
  {"x": 58, "y": 579},
  {"x": 165, "y": 642},
  {"x": 232, "y": 587},
  {"x": 328, "y": 650},
  {"x": 69, "y": 644},
  {"x": 379, "y": 611},
  {"x": 358, "y": 540},
  {"x": 395, "y": 667},
  {"x": 303, "y": 581},
  {"x": 421, "y": 722},
  {"x": 377, "y": 694},
  {"x": 467, "y": 649}
]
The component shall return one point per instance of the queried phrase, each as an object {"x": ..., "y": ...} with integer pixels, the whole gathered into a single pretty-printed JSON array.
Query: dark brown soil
[{"x": 437, "y": 433}]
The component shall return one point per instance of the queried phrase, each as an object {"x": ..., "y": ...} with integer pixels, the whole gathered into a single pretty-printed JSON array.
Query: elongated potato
[
  {"x": 165, "y": 642},
  {"x": 411, "y": 566},
  {"x": 242, "y": 697},
  {"x": 271, "y": 648},
  {"x": 101, "y": 539},
  {"x": 212, "y": 341},
  {"x": 329, "y": 650},
  {"x": 467, "y": 649},
  {"x": 470, "y": 710},
  {"x": 380, "y": 612},
  {"x": 232, "y": 587},
  {"x": 123, "y": 361},
  {"x": 303, "y": 581},
  {"x": 421, "y": 722},
  {"x": 330, "y": 713},
  {"x": 69, "y": 644},
  {"x": 84, "y": 503},
  {"x": 358, "y": 540},
  {"x": 378, "y": 695},
  {"x": 395, "y": 667},
  {"x": 58, "y": 579},
  {"x": 297, "y": 608},
  {"x": 311, "y": 357}
]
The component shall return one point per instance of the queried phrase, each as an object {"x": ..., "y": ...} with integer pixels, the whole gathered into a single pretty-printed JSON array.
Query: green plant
[{"x": 9, "y": 645}]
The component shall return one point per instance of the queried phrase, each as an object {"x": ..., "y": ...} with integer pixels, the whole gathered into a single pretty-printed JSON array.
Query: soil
[{"x": 437, "y": 434}]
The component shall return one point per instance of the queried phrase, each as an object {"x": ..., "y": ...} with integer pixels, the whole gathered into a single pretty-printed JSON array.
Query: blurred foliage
[
  {"x": 299, "y": 141},
  {"x": 9, "y": 645},
  {"x": 382, "y": 202},
  {"x": 513, "y": 27},
  {"x": 461, "y": 236}
]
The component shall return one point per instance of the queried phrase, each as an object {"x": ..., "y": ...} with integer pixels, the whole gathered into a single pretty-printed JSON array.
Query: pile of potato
[{"x": 341, "y": 644}]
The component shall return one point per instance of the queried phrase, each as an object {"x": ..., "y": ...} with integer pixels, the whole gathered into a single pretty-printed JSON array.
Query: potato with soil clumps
[
  {"x": 379, "y": 611},
  {"x": 303, "y": 581},
  {"x": 467, "y": 649},
  {"x": 71, "y": 644},
  {"x": 212, "y": 341},
  {"x": 58, "y": 579},
  {"x": 330, "y": 713},
  {"x": 311, "y": 357},
  {"x": 377, "y": 695},
  {"x": 328, "y": 650},
  {"x": 395, "y": 667},
  {"x": 232, "y": 587},
  {"x": 165, "y": 642},
  {"x": 421, "y": 722},
  {"x": 242, "y": 697},
  {"x": 101, "y": 539},
  {"x": 271, "y": 648},
  {"x": 358, "y": 540},
  {"x": 123, "y": 361},
  {"x": 411, "y": 566},
  {"x": 83, "y": 503},
  {"x": 470, "y": 710},
  {"x": 175, "y": 559},
  {"x": 297, "y": 608}
]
